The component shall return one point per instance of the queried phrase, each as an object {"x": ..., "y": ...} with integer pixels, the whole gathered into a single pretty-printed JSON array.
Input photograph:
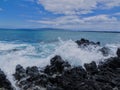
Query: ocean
[{"x": 37, "y": 47}]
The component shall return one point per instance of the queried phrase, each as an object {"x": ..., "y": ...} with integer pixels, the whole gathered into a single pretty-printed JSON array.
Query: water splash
[{"x": 39, "y": 54}]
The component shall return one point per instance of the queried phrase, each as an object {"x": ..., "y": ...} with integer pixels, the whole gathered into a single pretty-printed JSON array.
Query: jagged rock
[
  {"x": 118, "y": 52},
  {"x": 76, "y": 72},
  {"x": 113, "y": 63},
  {"x": 20, "y": 72},
  {"x": 57, "y": 65},
  {"x": 105, "y": 51},
  {"x": 53, "y": 88},
  {"x": 88, "y": 85},
  {"x": 60, "y": 75},
  {"x": 42, "y": 80},
  {"x": 32, "y": 71},
  {"x": 91, "y": 67},
  {"x": 86, "y": 42},
  {"x": 4, "y": 82}
]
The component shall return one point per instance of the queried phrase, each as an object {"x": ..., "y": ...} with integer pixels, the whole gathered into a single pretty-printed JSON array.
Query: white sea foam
[
  {"x": 78, "y": 56},
  {"x": 12, "y": 54}
]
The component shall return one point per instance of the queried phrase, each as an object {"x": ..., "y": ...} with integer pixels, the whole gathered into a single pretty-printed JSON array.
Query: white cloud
[
  {"x": 77, "y": 20},
  {"x": 77, "y": 6},
  {"x": 68, "y": 6},
  {"x": 100, "y": 19},
  {"x": 109, "y": 3},
  {"x": 72, "y": 11},
  {"x": 91, "y": 23}
]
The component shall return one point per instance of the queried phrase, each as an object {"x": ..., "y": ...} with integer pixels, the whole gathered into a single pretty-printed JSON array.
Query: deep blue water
[{"x": 36, "y": 36}]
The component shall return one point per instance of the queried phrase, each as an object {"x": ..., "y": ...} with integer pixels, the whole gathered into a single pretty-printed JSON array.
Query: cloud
[
  {"x": 77, "y": 6},
  {"x": 68, "y": 7},
  {"x": 100, "y": 19},
  {"x": 72, "y": 14},
  {"x": 109, "y": 3},
  {"x": 98, "y": 22}
]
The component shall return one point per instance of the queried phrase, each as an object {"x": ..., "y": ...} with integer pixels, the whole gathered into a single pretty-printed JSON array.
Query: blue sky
[{"x": 67, "y": 14}]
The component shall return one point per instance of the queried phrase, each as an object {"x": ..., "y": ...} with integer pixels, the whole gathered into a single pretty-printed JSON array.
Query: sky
[{"x": 98, "y": 15}]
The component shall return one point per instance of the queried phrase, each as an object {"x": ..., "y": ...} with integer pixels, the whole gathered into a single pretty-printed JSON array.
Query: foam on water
[
  {"x": 70, "y": 51},
  {"x": 40, "y": 54}
]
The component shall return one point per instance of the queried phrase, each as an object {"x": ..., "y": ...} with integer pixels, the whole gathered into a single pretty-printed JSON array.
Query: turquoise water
[
  {"x": 36, "y": 36},
  {"x": 37, "y": 47}
]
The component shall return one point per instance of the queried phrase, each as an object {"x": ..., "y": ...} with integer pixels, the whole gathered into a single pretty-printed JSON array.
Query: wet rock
[
  {"x": 60, "y": 75},
  {"x": 118, "y": 52},
  {"x": 113, "y": 63},
  {"x": 53, "y": 88},
  {"x": 4, "y": 82},
  {"x": 57, "y": 62},
  {"x": 32, "y": 71},
  {"x": 42, "y": 80},
  {"x": 86, "y": 42},
  {"x": 78, "y": 72},
  {"x": 105, "y": 51},
  {"x": 116, "y": 81},
  {"x": 57, "y": 65},
  {"x": 88, "y": 85},
  {"x": 20, "y": 72},
  {"x": 91, "y": 68},
  {"x": 101, "y": 78},
  {"x": 106, "y": 87}
]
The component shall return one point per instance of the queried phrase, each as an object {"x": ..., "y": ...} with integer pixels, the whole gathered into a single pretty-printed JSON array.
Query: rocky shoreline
[{"x": 60, "y": 75}]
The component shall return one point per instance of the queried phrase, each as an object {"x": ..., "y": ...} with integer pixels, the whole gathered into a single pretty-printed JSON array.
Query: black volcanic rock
[
  {"x": 4, "y": 82},
  {"x": 105, "y": 51},
  {"x": 53, "y": 88},
  {"x": 57, "y": 65},
  {"x": 118, "y": 52},
  {"x": 113, "y": 63},
  {"x": 86, "y": 42},
  {"x": 20, "y": 72},
  {"x": 32, "y": 71},
  {"x": 91, "y": 67},
  {"x": 60, "y": 75}
]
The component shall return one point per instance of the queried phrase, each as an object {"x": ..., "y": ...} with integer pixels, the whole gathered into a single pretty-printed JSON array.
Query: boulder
[
  {"x": 60, "y": 75},
  {"x": 112, "y": 63},
  {"x": 20, "y": 72},
  {"x": 32, "y": 71},
  {"x": 118, "y": 52},
  {"x": 57, "y": 65},
  {"x": 4, "y": 82},
  {"x": 53, "y": 88},
  {"x": 85, "y": 42},
  {"x": 91, "y": 68},
  {"x": 105, "y": 51}
]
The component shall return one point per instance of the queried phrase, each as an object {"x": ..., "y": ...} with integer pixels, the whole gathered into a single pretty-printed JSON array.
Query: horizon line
[{"x": 78, "y": 30}]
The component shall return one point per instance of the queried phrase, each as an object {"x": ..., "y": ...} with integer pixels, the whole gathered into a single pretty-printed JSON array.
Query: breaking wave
[{"x": 39, "y": 54}]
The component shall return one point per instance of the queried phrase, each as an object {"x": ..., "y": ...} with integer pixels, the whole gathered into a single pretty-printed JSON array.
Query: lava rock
[
  {"x": 4, "y": 82},
  {"x": 91, "y": 67},
  {"x": 57, "y": 65},
  {"x": 105, "y": 51},
  {"x": 32, "y": 71},
  {"x": 86, "y": 42},
  {"x": 60, "y": 75},
  {"x": 53, "y": 88},
  {"x": 113, "y": 63},
  {"x": 88, "y": 85},
  {"x": 20, "y": 72},
  {"x": 118, "y": 52}
]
